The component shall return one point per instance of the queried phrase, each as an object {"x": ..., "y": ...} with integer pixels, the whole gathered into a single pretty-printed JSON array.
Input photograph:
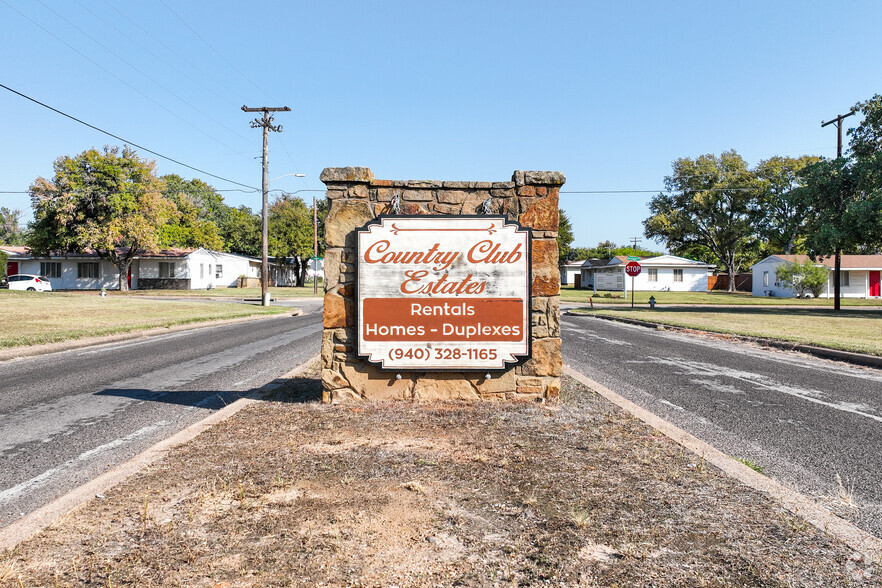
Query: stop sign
[{"x": 632, "y": 268}]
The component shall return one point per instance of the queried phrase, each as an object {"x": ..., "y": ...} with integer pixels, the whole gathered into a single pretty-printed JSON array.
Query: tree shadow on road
[{"x": 289, "y": 390}]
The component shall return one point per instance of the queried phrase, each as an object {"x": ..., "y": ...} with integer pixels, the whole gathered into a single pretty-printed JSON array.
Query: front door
[
  {"x": 874, "y": 284},
  {"x": 11, "y": 268}
]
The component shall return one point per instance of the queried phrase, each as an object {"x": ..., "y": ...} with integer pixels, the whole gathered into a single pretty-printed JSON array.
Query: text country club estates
[{"x": 442, "y": 292}]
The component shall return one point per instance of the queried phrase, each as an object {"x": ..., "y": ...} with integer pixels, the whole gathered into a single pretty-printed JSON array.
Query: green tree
[
  {"x": 803, "y": 277},
  {"x": 10, "y": 229},
  {"x": 709, "y": 208},
  {"x": 866, "y": 139},
  {"x": 291, "y": 234},
  {"x": 844, "y": 195},
  {"x": 780, "y": 213},
  {"x": 188, "y": 228},
  {"x": 564, "y": 239},
  {"x": 108, "y": 201},
  {"x": 241, "y": 231}
]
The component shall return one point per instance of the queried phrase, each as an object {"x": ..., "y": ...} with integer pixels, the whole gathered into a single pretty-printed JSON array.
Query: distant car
[{"x": 29, "y": 282}]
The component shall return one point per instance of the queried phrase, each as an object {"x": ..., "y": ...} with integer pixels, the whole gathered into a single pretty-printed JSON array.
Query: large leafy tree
[
  {"x": 780, "y": 213},
  {"x": 291, "y": 234},
  {"x": 844, "y": 195},
  {"x": 109, "y": 201},
  {"x": 241, "y": 231},
  {"x": 10, "y": 228},
  {"x": 708, "y": 209},
  {"x": 565, "y": 237}
]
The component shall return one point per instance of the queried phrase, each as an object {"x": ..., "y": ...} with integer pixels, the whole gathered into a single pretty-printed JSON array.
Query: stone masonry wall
[{"x": 356, "y": 198}]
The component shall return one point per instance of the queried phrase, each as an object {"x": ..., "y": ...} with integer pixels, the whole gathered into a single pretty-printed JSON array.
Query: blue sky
[{"x": 610, "y": 93}]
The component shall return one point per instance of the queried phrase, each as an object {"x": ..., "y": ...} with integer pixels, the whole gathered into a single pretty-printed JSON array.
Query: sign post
[
  {"x": 443, "y": 292},
  {"x": 632, "y": 268}
]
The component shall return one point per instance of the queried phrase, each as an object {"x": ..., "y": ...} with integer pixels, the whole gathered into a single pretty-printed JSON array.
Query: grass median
[
  {"x": 848, "y": 330},
  {"x": 31, "y": 318},
  {"x": 240, "y": 293},
  {"x": 570, "y": 294},
  {"x": 290, "y": 492}
]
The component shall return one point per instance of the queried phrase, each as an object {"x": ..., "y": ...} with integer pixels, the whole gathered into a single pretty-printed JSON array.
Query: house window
[
  {"x": 201, "y": 270},
  {"x": 87, "y": 269},
  {"x": 766, "y": 279},
  {"x": 678, "y": 275},
  {"x": 652, "y": 274},
  {"x": 166, "y": 269},
  {"x": 843, "y": 278},
  {"x": 50, "y": 269},
  {"x": 218, "y": 271}
]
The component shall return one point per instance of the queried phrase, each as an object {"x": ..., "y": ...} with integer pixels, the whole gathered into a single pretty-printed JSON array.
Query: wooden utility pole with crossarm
[
  {"x": 266, "y": 122},
  {"x": 837, "y": 263}
]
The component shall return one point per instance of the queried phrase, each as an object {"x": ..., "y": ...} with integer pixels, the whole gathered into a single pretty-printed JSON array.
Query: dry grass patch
[
  {"x": 293, "y": 492},
  {"x": 569, "y": 294},
  {"x": 30, "y": 318},
  {"x": 849, "y": 330}
]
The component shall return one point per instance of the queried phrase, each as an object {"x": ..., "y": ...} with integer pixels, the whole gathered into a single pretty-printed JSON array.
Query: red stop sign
[{"x": 632, "y": 268}]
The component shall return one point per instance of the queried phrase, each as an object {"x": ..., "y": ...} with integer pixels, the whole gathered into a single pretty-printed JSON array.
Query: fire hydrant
[{"x": 652, "y": 302}]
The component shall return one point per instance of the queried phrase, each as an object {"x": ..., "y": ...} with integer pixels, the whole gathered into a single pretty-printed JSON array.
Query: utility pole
[
  {"x": 635, "y": 240},
  {"x": 837, "y": 264},
  {"x": 314, "y": 248},
  {"x": 267, "y": 124}
]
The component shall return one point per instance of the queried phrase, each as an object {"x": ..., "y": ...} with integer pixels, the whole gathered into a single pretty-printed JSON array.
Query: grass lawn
[
  {"x": 850, "y": 330},
  {"x": 277, "y": 292},
  {"x": 29, "y": 318},
  {"x": 570, "y": 294}
]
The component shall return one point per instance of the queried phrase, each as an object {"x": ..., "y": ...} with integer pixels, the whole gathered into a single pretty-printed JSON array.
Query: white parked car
[{"x": 29, "y": 282}]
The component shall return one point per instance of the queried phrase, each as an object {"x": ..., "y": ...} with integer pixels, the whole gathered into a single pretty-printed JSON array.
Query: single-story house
[
  {"x": 860, "y": 276},
  {"x": 569, "y": 271},
  {"x": 660, "y": 272},
  {"x": 178, "y": 269}
]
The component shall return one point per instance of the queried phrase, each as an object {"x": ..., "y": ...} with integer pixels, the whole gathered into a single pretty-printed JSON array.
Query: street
[
  {"x": 814, "y": 425},
  {"x": 68, "y": 417}
]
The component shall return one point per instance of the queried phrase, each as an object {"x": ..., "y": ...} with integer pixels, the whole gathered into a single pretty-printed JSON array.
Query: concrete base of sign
[{"x": 356, "y": 197}]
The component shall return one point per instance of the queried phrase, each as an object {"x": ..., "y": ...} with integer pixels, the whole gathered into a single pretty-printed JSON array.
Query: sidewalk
[{"x": 576, "y": 493}]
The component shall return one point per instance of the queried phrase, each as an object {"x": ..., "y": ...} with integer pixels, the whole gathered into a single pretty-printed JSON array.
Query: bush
[{"x": 803, "y": 277}]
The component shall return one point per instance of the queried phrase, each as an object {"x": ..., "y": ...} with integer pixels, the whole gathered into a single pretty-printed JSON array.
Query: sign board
[
  {"x": 443, "y": 292},
  {"x": 632, "y": 268},
  {"x": 633, "y": 258}
]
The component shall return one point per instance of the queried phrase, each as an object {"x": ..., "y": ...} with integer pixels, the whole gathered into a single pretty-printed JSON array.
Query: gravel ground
[{"x": 290, "y": 492}]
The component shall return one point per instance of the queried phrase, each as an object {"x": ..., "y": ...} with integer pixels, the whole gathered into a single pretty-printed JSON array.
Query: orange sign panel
[{"x": 443, "y": 292}]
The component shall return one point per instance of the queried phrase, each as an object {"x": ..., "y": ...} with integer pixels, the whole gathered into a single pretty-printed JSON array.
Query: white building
[
  {"x": 860, "y": 276},
  {"x": 177, "y": 269},
  {"x": 569, "y": 271},
  {"x": 659, "y": 273}
]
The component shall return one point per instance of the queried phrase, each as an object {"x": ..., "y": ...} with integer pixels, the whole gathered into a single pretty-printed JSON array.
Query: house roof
[
  {"x": 848, "y": 261},
  {"x": 660, "y": 261},
  {"x": 20, "y": 251},
  {"x": 575, "y": 263}
]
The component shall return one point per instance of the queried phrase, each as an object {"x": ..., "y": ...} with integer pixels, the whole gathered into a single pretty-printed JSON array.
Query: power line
[
  {"x": 158, "y": 57},
  {"x": 113, "y": 75},
  {"x": 156, "y": 153},
  {"x": 112, "y": 52},
  {"x": 172, "y": 51},
  {"x": 218, "y": 53}
]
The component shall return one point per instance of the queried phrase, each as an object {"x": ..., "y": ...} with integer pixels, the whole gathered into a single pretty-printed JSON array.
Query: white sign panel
[{"x": 443, "y": 292}]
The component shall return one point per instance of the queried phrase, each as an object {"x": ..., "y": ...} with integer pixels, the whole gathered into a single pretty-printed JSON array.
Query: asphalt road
[
  {"x": 68, "y": 417},
  {"x": 810, "y": 422}
]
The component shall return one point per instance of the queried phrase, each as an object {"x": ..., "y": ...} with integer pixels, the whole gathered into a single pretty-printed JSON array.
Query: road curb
[
  {"x": 864, "y": 543},
  {"x": 48, "y": 514},
  {"x": 861, "y": 359},
  {"x": 46, "y": 348}
]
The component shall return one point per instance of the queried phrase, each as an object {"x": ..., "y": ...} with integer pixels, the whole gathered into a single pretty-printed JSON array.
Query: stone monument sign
[{"x": 441, "y": 290}]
